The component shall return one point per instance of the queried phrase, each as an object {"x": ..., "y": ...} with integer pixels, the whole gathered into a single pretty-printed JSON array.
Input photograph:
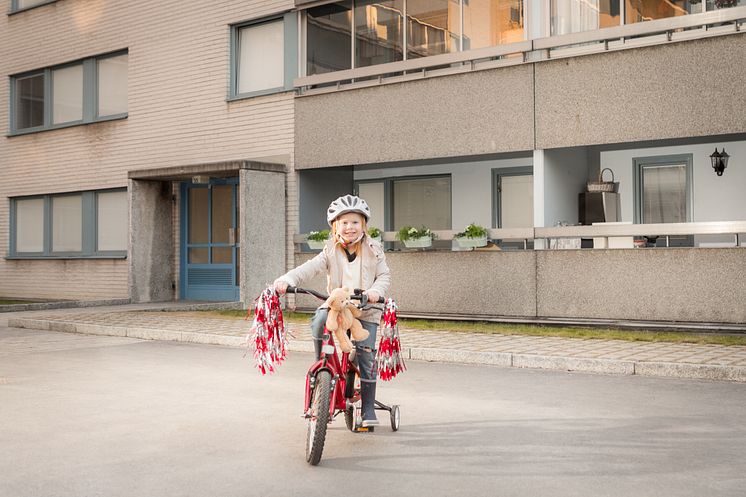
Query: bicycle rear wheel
[{"x": 319, "y": 419}]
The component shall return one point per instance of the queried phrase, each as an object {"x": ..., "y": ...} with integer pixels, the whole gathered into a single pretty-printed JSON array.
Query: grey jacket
[{"x": 375, "y": 272}]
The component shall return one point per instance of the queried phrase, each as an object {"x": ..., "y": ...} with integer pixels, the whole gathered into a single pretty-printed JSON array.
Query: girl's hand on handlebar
[
  {"x": 373, "y": 296},
  {"x": 280, "y": 286}
]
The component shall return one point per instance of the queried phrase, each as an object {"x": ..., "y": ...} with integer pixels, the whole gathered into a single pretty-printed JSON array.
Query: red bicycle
[{"x": 333, "y": 387}]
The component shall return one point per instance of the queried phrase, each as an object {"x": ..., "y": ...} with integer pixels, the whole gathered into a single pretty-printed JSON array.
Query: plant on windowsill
[
  {"x": 375, "y": 234},
  {"x": 413, "y": 237},
  {"x": 472, "y": 236},
  {"x": 317, "y": 239}
]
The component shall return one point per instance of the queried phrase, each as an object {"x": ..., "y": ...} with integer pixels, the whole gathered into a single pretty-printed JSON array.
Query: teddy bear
[{"x": 343, "y": 314}]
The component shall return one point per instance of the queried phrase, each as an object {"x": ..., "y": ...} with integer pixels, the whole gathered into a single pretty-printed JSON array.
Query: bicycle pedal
[{"x": 365, "y": 429}]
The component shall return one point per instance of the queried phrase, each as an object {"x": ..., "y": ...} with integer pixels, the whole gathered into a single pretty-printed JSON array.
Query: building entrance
[{"x": 209, "y": 241}]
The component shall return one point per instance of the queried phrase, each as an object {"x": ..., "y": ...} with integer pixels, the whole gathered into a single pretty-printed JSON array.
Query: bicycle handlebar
[{"x": 357, "y": 295}]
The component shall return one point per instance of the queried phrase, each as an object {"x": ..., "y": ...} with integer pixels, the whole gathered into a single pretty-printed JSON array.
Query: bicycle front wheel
[{"x": 319, "y": 418}]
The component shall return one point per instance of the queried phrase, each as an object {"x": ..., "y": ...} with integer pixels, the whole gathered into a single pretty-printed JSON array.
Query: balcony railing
[
  {"x": 736, "y": 229},
  {"x": 717, "y": 23}
]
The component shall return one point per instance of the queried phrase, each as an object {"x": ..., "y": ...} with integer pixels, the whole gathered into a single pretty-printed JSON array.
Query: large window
[
  {"x": 62, "y": 95},
  {"x": 360, "y": 33},
  {"x": 408, "y": 201},
  {"x": 263, "y": 59},
  {"x": 86, "y": 224}
]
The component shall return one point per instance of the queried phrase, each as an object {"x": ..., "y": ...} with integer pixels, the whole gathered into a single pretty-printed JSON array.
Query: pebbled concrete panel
[
  {"x": 262, "y": 230},
  {"x": 466, "y": 114},
  {"x": 651, "y": 93},
  {"x": 151, "y": 241},
  {"x": 687, "y": 284},
  {"x": 473, "y": 283}
]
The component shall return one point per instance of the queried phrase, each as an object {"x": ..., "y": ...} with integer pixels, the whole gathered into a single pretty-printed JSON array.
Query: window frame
[
  {"x": 290, "y": 55},
  {"x": 14, "y": 9},
  {"x": 90, "y": 95},
  {"x": 658, "y": 161},
  {"x": 89, "y": 232}
]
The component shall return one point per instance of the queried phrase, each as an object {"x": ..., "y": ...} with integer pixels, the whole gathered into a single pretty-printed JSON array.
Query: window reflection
[
  {"x": 488, "y": 23},
  {"x": 329, "y": 36},
  {"x": 378, "y": 32},
  {"x": 433, "y": 27},
  {"x": 648, "y": 10}
]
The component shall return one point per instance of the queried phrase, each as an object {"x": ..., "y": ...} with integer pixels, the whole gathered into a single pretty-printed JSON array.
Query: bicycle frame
[{"x": 339, "y": 369}]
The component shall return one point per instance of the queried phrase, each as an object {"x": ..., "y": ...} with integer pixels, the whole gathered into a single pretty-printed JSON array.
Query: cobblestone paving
[{"x": 476, "y": 342}]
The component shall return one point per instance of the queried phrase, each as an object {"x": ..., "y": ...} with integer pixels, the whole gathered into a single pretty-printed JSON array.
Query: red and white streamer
[
  {"x": 267, "y": 335},
  {"x": 389, "y": 358}
]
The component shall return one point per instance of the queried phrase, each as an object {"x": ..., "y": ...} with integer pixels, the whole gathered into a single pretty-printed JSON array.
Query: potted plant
[
  {"x": 375, "y": 234},
  {"x": 413, "y": 237},
  {"x": 317, "y": 239},
  {"x": 472, "y": 236}
]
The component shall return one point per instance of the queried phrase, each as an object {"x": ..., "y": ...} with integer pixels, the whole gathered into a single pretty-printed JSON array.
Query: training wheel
[{"x": 395, "y": 417}]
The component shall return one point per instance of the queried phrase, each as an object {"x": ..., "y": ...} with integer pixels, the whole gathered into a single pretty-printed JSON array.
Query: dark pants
[{"x": 365, "y": 350}]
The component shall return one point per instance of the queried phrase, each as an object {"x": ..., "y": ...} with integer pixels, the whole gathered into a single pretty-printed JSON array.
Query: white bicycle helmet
[{"x": 345, "y": 204}]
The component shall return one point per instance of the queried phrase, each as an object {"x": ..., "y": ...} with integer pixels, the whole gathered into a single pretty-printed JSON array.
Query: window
[
  {"x": 572, "y": 16},
  {"x": 408, "y": 201},
  {"x": 488, "y": 23},
  {"x": 16, "y": 5},
  {"x": 263, "y": 59},
  {"x": 513, "y": 194},
  {"x": 62, "y": 95},
  {"x": 662, "y": 193},
  {"x": 347, "y": 35},
  {"x": 87, "y": 224},
  {"x": 648, "y": 10}
]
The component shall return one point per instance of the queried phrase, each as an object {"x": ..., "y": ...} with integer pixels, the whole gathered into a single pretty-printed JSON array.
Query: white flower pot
[
  {"x": 423, "y": 242},
  {"x": 465, "y": 242},
  {"x": 376, "y": 238},
  {"x": 315, "y": 244}
]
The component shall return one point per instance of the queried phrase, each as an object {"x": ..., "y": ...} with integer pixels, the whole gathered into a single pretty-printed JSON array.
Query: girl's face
[{"x": 350, "y": 226}]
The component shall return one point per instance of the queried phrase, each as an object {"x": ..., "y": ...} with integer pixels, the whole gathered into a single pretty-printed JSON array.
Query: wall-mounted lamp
[{"x": 719, "y": 161}]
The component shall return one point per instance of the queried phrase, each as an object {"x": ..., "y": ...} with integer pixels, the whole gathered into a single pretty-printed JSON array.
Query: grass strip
[
  {"x": 13, "y": 302},
  {"x": 487, "y": 327}
]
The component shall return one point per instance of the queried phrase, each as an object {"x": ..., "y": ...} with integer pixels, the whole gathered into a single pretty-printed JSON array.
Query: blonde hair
[{"x": 357, "y": 247}]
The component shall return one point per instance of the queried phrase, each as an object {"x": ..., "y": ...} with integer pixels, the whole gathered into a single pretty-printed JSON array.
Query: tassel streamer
[
  {"x": 389, "y": 358},
  {"x": 267, "y": 335}
]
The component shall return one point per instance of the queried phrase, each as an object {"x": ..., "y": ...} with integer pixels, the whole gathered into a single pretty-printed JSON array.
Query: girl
[{"x": 350, "y": 258}]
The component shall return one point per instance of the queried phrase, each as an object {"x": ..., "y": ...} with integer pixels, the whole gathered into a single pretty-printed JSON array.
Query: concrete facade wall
[
  {"x": 652, "y": 93},
  {"x": 700, "y": 285},
  {"x": 178, "y": 115},
  {"x": 151, "y": 246},
  {"x": 484, "y": 112}
]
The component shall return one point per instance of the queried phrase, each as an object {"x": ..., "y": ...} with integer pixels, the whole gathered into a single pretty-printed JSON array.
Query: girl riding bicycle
[{"x": 353, "y": 259}]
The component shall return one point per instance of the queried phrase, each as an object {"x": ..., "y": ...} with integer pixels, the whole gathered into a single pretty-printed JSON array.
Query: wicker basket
[{"x": 601, "y": 185}]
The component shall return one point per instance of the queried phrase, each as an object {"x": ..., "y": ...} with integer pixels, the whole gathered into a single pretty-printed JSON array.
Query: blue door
[{"x": 209, "y": 241}]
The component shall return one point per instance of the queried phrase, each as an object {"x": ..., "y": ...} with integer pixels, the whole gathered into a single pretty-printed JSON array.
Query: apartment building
[{"x": 172, "y": 150}]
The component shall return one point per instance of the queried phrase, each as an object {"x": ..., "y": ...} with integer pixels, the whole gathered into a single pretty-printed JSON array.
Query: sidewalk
[{"x": 713, "y": 362}]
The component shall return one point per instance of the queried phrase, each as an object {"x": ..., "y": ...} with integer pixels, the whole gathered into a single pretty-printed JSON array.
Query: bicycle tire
[
  {"x": 319, "y": 420},
  {"x": 350, "y": 418}
]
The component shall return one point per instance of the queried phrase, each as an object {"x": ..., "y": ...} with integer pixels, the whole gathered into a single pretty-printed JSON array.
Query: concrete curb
[
  {"x": 501, "y": 359},
  {"x": 64, "y": 304}
]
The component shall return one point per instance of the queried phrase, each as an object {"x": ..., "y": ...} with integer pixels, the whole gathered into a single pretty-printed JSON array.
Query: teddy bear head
[{"x": 338, "y": 298}]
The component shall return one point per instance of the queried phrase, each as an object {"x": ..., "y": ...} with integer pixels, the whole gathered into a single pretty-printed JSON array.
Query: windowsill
[
  {"x": 61, "y": 257},
  {"x": 30, "y": 131},
  {"x": 260, "y": 93},
  {"x": 31, "y": 7}
]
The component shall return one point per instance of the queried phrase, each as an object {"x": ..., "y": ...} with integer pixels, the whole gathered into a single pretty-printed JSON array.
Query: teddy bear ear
[{"x": 345, "y": 289}]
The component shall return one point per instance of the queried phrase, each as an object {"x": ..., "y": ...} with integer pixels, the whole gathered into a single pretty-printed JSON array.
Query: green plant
[
  {"x": 411, "y": 233},
  {"x": 318, "y": 236},
  {"x": 374, "y": 232},
  {"x": 473, "y": 231}
]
